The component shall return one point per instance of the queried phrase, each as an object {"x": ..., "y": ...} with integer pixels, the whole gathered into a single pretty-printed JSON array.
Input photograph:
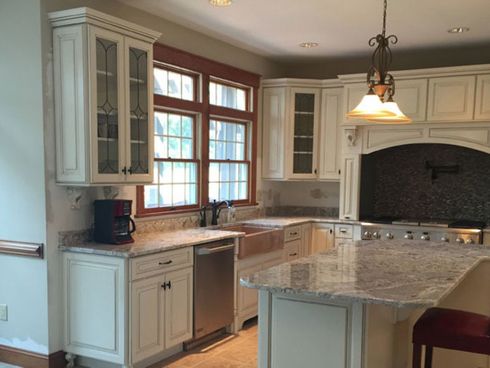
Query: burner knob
[
  {"x": 469, "y": 241},
  {"x": 368, "y": 235},
  {"x": 389, "y": 236},
  {"x": 444, "y": 239},
  {"x": 425, "y": 237},
  {"x": 460, "y": 240},
  {"x": 408, "y": 236},
  {"x": 376, "y": 235}
]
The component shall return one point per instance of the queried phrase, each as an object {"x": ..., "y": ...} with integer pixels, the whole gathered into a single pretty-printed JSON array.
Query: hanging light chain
[{"x": 384, "y": 17}]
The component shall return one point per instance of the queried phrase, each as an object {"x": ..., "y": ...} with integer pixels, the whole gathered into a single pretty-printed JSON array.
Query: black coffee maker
[{"x": 113, "y": 222}]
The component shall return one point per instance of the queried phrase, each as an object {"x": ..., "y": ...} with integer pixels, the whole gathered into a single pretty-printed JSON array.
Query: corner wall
[{"x": 23, "y": 281}]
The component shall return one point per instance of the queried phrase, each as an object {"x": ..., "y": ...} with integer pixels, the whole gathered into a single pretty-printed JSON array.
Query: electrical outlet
[{"x": 3, "y": 312}]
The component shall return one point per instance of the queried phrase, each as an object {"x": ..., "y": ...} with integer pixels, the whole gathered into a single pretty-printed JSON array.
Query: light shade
[
  {"x": 370, "y": 107},
  {"x": 398, "y": 118}
]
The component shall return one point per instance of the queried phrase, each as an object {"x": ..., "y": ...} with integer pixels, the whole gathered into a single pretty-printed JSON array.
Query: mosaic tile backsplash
[{"x": 397, "y": 182}]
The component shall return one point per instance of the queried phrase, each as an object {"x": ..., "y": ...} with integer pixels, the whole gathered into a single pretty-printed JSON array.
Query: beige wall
[{"x": 179, "y": 36}]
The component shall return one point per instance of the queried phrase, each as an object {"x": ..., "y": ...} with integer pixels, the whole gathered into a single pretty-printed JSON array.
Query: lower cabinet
[
  {"x": 161, "y": 313},
  {"x": 247, "y": 299},
  {"x": 126, "y": 311},
  {"x": 322, "y": 237}
]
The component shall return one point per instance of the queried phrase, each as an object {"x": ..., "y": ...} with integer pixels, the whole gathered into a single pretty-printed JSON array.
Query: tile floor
[{"x": 228, "y": 352}]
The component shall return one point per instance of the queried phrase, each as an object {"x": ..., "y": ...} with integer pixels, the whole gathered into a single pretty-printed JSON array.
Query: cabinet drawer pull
[
  {"x": 293, "y": 254},
  {"x": 343, "y": 231},
  {"x": 165, "y": 263},
  {"x": 294, "y": 234}
]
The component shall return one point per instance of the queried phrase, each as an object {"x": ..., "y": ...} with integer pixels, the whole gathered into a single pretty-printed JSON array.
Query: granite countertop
[
  {"x": 149, "y": 243},
  {"x": 291, "y": 221},
  {"x": 415, "y": 274}
]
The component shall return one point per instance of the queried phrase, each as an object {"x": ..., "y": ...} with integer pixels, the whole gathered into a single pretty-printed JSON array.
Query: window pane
[
  {"x": 174, "y": 148},
  {"x": 174, "y": 125},
  {"x": 224, "y": 172},
  {"x": 174, "y": 85},
  {"x": 161, "y": 81},
  {"x": 160, "y": 123},
  {"x": 213, "y": 172},
  {"x": 165, "y": 172},
  {"x": 161, "y": 147},
  {"x": 179, "y": 172},
  {"x": 187, "y": 128},
  {"x": 191, "y": 194},
  {"x": 213, "y": 192},
  {"x": 228, "y": 181},
  {"x": 165, "y": 195},
  {"x": 227, "y": 96},
  {"x": 151, "y": 196},
  {"x": 187, "y": 148},
  {"x": 179, "y": 195},
  {"x": 187, "y": 88}
]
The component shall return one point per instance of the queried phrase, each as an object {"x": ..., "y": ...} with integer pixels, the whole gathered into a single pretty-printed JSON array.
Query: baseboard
[{"x": 28, "y": 359}]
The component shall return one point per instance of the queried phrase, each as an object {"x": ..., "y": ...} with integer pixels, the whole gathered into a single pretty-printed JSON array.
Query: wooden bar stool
[{"x": 449, "y": 329}]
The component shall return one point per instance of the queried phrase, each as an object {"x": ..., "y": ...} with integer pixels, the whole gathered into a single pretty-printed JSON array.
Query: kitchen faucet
[{"x": 215, "y": 210}]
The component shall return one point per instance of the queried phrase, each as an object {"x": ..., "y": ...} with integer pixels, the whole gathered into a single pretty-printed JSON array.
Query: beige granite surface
[
  {"x": 291, "y": 221},
  {"x": 414, "y": 274},
  {"x": 149, "y": 243}
]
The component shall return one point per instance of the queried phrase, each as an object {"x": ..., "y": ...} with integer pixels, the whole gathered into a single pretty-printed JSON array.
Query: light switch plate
[{"x": 3, "y": 312}]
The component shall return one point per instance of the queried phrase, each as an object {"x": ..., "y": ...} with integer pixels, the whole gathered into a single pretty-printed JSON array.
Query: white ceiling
[{"x": 274, "y": 28}]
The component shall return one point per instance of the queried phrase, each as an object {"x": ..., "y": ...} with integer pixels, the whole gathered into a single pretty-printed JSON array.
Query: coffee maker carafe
[{"x": 113, "y": 222}]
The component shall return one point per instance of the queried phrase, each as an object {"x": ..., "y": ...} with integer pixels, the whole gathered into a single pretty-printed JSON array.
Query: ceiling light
[
  {"x": 308, "y": 45},
  {"x": 380, "y": 82},
  {"x": 220, "y": 2},
  {"x": 458, "y": 30}
]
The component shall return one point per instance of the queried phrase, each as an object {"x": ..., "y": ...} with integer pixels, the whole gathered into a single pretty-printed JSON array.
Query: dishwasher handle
[{"x": 205, "y": 250}]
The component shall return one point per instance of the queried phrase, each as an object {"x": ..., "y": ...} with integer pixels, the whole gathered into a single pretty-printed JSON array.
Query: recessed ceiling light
[
  {"x": 308, "y": 45},
  {"x": 458, "y": 30},
  {"x": 220, "y": 2}
]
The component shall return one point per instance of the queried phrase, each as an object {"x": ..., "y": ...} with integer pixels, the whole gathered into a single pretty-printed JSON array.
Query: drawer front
[
  {"x": 292, "y": 233},
  {"x": 161, "y": 262},
  {"x": 291, "y": 250},
  {"x": 344, "y": 231}
]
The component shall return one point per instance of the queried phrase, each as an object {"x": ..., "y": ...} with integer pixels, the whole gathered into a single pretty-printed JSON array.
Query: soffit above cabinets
[{"x": 342, "y": 28}]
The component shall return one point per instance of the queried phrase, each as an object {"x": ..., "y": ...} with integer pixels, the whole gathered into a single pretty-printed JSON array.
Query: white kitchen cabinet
[
  {"x": 273, "y": 139},
  {"x": 103, "y": 99},
  {"x": 482, "y": 104},
  {"x": 247, "y": 299},
  {"x": 350, "y": 187},
  {"x": 330, "y": 134},
  {"x": 147, "y": 317},
  {"x": 322, "y": 237},
  {"x": 178, "y": 306},
  {"x": 291, "y": 118},
  {"x": 451, "y": 98}
]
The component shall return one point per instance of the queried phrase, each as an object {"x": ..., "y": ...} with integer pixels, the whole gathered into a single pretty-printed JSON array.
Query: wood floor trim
[{"x": 28, "y": 359}]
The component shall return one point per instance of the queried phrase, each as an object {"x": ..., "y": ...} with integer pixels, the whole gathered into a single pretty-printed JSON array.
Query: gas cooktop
[{"x": 459, "y": 224}]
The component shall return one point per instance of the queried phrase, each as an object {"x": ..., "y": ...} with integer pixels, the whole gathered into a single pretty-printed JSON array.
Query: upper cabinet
[
  {"x": 103, "y": 99},
  {"x": 451, "y": 98},
  {"x": 300, "y": 131},
  {"x": 482, "y": 106}
]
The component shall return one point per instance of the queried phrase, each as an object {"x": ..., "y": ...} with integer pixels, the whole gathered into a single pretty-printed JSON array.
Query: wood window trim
[{"x": 208, "y": 70}]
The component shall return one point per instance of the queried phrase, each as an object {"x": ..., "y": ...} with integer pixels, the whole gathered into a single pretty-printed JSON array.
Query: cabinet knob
[
  {"x": 130, "y": 171},
  {"x": 316, "y": 171},
  {"x": 124, "y": 170}
]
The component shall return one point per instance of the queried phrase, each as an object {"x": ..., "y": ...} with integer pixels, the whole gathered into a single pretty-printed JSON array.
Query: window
[
  {"x": 175, "y": 181},
  {"x": 205, "y": 132},
  {"x": 228, "y": 161},
  {"x": 174, "y": 84},
  {"x": 227, "y": 96}
]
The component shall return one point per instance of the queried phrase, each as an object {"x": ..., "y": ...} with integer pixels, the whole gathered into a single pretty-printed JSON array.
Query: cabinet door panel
[
  {"x": 482, "y": 106},
  {"x": 330, "y": 146},
  {"x": 411, "y": 96},
  {"x": 178, "y": 307},
  {"x": 302, "y": 151},
  {"x": 349, "y": 187},
  {"x": 247, "y": 298},
  {"x": 147, "y": 318},
  {"x": 322, "y": 237},
  {"x": 451, "y": 99},
  {"x": 107, "y": 98},
  {"x": 305, "y": 240},
  {"x": 139, "y": 156},
  {"x": 274, "y": 127}
]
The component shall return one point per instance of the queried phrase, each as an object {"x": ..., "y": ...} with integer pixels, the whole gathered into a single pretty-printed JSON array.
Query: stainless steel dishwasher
[{"x": 213, "y": 286}]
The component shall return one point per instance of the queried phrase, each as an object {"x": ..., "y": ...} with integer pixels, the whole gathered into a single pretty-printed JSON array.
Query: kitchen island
[{"x": 355, "y": 306}]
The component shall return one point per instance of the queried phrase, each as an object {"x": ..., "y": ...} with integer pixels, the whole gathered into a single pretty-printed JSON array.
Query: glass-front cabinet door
[
  {"x": 139, "y": 155},
  {"x": 304, "y": 126},
  {"x": 107, "y": 106}
]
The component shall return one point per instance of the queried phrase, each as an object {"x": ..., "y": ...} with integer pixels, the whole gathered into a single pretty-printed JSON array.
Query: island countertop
[{"x": 411, "y": 274}]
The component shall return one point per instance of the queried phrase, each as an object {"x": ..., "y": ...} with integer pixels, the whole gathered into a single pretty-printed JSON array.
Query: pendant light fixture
[{"x": 378, "y": 105}]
